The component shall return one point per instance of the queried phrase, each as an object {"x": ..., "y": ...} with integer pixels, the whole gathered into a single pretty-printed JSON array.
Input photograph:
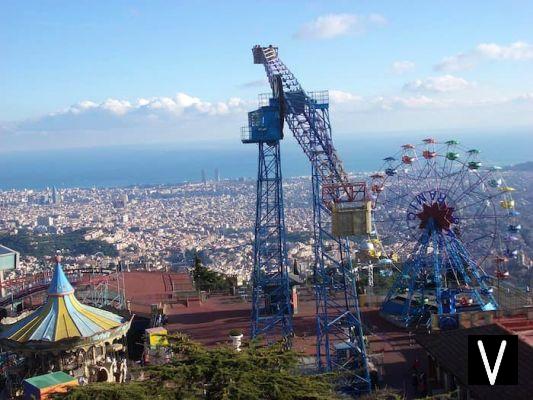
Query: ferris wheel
[
  {"x": 448, "y": 220},
  {"x": 452, "y": 184}
]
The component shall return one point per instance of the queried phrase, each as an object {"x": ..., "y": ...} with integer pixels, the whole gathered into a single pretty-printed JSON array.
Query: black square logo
[{"x": 492, "y": 360}]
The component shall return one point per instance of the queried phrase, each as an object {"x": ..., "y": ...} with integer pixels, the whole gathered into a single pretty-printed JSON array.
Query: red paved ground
[
  {"x": 210, "y": 323},
  {"x": 520, "y": 325}
]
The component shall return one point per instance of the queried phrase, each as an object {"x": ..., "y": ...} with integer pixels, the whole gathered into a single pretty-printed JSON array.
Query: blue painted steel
[
  {"x": 263, "y": 124},
  {"x": 271, "y": 298},
  {"x": 340, "y": 340},
  {"x": 439, "y": 272}
]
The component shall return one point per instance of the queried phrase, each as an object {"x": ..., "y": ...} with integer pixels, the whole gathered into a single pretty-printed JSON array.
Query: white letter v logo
[{"x": 492, "y": 374}]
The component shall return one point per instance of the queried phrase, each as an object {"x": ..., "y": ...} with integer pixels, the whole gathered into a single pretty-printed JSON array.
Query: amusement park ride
[
  {"x": 434, "y": 213},
  {"x": 99, "y": 285},
  {"x": 446, "y": 219},
  {"x": 341, "y": 212}
]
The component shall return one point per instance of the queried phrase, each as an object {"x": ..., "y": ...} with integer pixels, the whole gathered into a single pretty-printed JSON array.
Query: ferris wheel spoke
[
  {"x": 421, "y": 177},
  {"x": 459, "y": 177},
  {"x": 490, "y": 197},
  {"x": 481, "y": 180}
]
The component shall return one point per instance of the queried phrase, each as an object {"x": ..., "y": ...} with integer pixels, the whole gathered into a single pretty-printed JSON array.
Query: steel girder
[
  {"x": 271, "y": 308},
  {"x": 340, "y": 341}
]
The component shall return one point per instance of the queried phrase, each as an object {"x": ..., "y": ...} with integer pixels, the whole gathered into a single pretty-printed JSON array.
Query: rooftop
[
  {"x": 450, "y": 350},
  {"x": 51, "y": 379},
  {"x": 6, "y": 250}
]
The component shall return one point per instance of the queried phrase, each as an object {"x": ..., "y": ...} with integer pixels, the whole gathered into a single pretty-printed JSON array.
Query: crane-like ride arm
[
  {"x": 307, "y": 116},
  {"x": 340, "y": 212}
]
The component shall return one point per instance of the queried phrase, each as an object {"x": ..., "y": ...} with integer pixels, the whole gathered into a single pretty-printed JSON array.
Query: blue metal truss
[
  {"x": 340, "y": 340},
  {"x": 271, "y": 298},
  {"x": 439, "y": 274}
]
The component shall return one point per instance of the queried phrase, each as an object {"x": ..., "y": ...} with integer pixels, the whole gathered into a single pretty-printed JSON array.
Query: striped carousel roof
[{"x": 62, "y": 316}]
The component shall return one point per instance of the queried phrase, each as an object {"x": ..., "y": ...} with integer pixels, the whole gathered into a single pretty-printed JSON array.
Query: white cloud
[
  {"x": 389, "y": 103},
  {"x": 174, "y": 106},
  {"x": 524, "y": 98},
  {"x": 517, "y": 51},
  {"x": 334, "y": 25},
  {"x": 349, "y": 102},
  {"x": 339, "y": 97},
  {"x": 439, "y": 84},
  {"x": 401, "y": 67},
  {"x": 458, "y": 62},
  {"x": 184, "y": 118}
]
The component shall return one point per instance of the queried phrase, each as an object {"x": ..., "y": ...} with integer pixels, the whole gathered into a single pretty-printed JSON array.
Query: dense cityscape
[
  {"x": 162, "y": 227},
  {"x": 258, "y": 200}
]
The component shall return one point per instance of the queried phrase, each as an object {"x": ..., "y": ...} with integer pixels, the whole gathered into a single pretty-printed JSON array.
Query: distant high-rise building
[
  {"x": 122, "y": 201},
  {"x": 204, "y": 177},
  {"x": 45, "y": 221},
  {"x": 56, "y": 196},
  {"x": 217, "y": 175}
]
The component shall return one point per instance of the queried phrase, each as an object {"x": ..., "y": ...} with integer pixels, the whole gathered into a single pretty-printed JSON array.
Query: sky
[{"x": 86, "y": 73}]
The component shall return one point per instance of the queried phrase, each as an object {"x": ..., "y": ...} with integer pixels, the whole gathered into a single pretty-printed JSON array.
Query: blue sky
[{"x": 85, "y": 73}]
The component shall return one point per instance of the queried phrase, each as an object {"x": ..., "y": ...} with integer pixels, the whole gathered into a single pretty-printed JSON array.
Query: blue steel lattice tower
[
  {"x": 271, "y": 308},
  {"x": 340, "y": 214}
]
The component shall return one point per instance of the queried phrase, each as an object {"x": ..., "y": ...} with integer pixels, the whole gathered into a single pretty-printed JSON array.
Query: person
[
  {"x": 422, "y": 384},
  {"x": 414, "y": 380}
]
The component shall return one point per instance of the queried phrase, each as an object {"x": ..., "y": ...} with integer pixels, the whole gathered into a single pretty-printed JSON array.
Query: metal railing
[{"x": 320, "y": 97}]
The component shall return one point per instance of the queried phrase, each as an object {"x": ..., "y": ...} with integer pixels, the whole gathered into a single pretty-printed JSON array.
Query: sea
[{"x": 172, "y": 163}]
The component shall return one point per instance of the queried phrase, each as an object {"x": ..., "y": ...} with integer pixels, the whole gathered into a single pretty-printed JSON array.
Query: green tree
[
  {"x": 195, "y": 372},
  {"x": 208, "y": 280}
]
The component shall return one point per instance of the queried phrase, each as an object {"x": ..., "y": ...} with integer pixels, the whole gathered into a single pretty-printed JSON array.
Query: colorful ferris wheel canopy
[
  {"x": 507, "y": 189},
  {"x": 407, "y": 159},
  {"x": 429, "y": 141},
  {"x": 514, "y": 228},
  {"x": 389, "y": 159},
  {"x": 473, "y": 152},
  {"x": 452, "y": 142},
  {"x": 408, "y": 146},
  {"x": 507, "y": 204},
  {"x": 452, "y": 156},
  {"x": 391, "y": 171},
  {"x": 495, "y": 182},
  {"x": 429, "y": 154},
  {"x": 474, "y": 165}
]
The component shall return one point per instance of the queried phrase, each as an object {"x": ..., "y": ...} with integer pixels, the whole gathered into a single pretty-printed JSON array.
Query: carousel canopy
[{"x": 62, "y": 316}]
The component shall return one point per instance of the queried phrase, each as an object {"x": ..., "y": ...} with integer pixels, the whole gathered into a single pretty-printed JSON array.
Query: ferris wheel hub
[{"x": 437, "y": 216}]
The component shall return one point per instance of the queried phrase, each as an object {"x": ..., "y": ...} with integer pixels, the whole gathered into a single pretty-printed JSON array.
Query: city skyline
[{"x": 121, "y": 73}]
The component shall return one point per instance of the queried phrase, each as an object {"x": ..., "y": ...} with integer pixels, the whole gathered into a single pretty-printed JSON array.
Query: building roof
[
  {"x": 62, "y": 316},
  {"x": 49, "y": 380},
  {"x": 59, "y": 286},
  {"x": 5, "y": 250},
  {"x": 450, "y": 350},
  {"x": 8, "y": 258}
]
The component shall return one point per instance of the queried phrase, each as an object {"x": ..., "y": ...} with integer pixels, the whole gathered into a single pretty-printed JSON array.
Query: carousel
[{"x": 66, "y": 335}]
